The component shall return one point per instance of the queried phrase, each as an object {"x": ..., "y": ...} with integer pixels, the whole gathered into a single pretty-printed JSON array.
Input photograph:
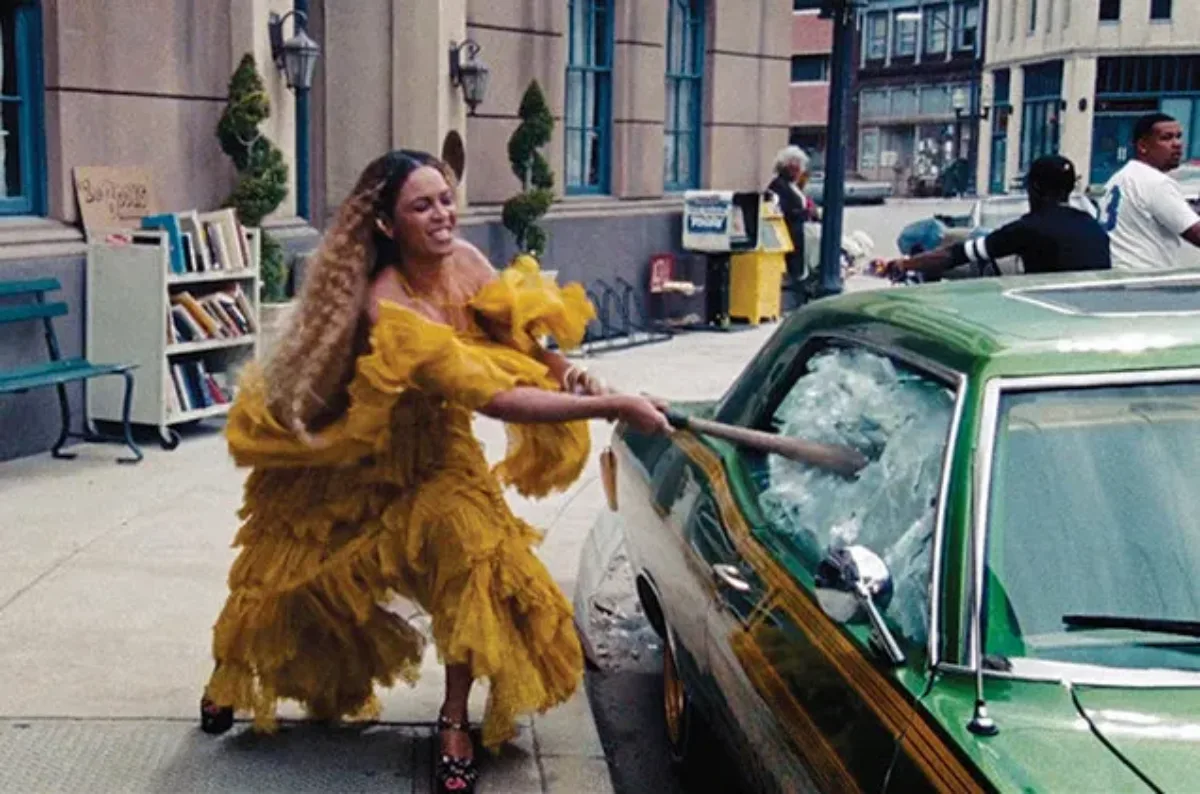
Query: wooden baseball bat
[{"x": 840, "y": 459}]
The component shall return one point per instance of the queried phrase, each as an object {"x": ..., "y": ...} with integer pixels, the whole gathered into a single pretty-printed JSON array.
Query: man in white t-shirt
[{"x": 1143, "y": 210}]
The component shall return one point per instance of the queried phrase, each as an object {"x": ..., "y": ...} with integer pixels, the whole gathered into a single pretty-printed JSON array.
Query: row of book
[
  {"x": 202, "y": 242},
  {"x": 224, "y": 314},
  {"x": 193, "y": 388}
]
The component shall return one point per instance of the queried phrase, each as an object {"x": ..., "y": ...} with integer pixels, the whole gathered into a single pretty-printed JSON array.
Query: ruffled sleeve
[
  {"x": 410, "y": 352},
  {"x": 522, "y": 305}
]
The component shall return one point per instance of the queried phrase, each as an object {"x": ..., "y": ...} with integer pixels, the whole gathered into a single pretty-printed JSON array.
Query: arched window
[
  {"x": 685, "y": 79},
  {"x": 22, "y": 160},
  {"x": 588, "y": 124}
]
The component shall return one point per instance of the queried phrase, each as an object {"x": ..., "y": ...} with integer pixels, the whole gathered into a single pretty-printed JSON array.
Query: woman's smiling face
[{"x": 426, "y": 215}]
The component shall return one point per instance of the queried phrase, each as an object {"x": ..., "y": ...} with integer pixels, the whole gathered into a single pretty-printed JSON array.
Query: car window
[
  {"x": 900, "y": 419},
  {"x": 1093, "y": 510}
]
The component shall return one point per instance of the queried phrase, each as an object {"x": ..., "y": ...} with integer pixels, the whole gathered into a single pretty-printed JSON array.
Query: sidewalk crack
[{"x": 537, "y": 755}]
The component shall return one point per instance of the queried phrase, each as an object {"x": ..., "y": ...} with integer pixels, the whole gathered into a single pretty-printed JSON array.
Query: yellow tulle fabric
[{"x": 396, "y": 498}]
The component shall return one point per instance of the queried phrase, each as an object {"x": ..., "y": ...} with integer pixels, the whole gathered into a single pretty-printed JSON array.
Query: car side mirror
[{"x": 853, "y": 584}]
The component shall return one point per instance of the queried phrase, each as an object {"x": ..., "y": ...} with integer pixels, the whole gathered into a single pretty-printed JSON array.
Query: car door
[{"x": 781, "y": 664}]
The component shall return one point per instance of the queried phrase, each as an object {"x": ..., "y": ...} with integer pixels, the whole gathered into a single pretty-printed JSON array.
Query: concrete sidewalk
[{"x": 111, "y": 577}]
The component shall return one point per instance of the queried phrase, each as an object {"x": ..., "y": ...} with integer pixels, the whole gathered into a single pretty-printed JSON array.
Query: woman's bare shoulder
[
  {"x": 386, "y": 287},
  {"x": 473, "y": 262}
]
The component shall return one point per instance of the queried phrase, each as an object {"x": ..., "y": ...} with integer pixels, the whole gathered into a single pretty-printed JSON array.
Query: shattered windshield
[
  {"x": 1094, "y": 511},
  {"x": 901, "y": 420}
]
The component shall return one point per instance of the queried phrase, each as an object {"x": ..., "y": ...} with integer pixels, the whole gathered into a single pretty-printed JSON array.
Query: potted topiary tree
[
  {"x": 261, "y": 187},
  {"x": 522, "y": 211}
]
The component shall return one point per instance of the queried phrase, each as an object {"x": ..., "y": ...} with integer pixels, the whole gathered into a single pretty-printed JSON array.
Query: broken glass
[{"x": 900, "y": 420}]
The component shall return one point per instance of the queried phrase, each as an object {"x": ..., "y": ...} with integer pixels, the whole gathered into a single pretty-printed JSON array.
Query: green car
[{"x": 1005, "y": 598}]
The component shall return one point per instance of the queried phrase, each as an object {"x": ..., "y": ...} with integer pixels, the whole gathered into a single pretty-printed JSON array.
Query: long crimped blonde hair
[{"x": 313, "y": 363}]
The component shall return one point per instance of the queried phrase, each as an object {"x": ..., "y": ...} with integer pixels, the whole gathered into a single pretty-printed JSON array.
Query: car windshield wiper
[{"x": 1183, "y": 628}]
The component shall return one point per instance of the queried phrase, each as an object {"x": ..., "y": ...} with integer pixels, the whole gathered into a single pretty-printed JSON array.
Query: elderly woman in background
[{"x": 791, "y": 176}]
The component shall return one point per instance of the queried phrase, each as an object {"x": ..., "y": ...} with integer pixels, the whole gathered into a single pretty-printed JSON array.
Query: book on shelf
[
  {"x": 189, "y": 223},
  {"x": 170, "y": 224},
  {"x": 228, "y": 235},
  {"x": 222, "y": 314},
  {"x": 194, "y": 388}
]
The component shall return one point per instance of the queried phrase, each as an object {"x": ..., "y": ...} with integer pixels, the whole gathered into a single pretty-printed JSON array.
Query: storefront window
[
  {"x": 21, "y": 145},
  {"x": 685, "y": 77},
  {"x": 868, "y": 150},
  {"x": 588, "y": 120}
]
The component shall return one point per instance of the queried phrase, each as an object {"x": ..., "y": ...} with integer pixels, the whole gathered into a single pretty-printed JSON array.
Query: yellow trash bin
[{"x": 756, "y": 276}]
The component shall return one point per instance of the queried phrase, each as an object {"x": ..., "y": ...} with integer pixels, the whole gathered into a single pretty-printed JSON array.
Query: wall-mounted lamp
[
  {"x": 471, "y": 74},
  {"x": 296, "y": 57}
]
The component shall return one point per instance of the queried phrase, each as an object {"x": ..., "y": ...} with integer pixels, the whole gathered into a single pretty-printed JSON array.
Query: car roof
[{"x": 1034, "y": 325}]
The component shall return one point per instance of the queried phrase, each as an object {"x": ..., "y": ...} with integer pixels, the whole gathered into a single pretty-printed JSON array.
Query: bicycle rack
[{"x": 621, "y": 319}]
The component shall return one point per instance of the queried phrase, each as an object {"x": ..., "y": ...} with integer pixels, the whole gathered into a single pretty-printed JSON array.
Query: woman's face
[{"x": 426, "y": 215}]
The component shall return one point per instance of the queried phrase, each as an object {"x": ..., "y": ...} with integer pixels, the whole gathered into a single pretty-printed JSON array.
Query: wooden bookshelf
[{"x": 130, "y": 293}]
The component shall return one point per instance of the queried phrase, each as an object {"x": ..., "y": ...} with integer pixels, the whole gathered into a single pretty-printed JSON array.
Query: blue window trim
[
  {"x": 585, "y": 63},
  {"x": 693, "y": 76},
  {"x": 27, "y": 41}
]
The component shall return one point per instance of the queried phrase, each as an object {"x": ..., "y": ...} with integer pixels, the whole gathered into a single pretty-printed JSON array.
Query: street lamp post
[{"x": 844, "y": 14}]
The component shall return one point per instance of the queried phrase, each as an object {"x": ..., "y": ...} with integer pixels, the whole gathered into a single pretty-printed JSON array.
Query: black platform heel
[
  {"x": 455, "y": 775},
  {"x": 215, "y": 719}
]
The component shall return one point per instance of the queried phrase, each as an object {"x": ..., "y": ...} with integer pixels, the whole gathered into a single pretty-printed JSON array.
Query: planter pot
[{"x": 273, "y": 320}]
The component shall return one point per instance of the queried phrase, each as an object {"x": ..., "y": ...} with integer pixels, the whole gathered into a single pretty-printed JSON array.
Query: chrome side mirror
[{"x": 854, "y": 583}]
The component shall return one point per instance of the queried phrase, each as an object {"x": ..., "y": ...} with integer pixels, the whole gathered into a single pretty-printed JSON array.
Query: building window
[
  {"x": 873, "y": 104},
  {"x": 685, "y": 77},
  {"x": 876, "y": 34},
  {"x": 1041, "y": 123},
  {"x": 904, "y": 102},
  {"x": 806, "y": 5},
  {"x": 868, "y": 150},
  {"x": 1001, "y": 110},
  {"x": 905, "y": 43},
  {"x": 1033, "y": 15},
  {"x": 968, "y": 26},
  {"x": 22, "y": 158},
  {"x": 937, "y": 26},
  {"x": 1110, "y": 10},
  {"x": 810, "y": 68},
  {"x": 1160, "y": 9},
  {"x": 588, "y": 123}
]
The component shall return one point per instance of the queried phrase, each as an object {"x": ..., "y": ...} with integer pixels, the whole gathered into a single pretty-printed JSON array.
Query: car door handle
[{"x": 729, "y": 577}]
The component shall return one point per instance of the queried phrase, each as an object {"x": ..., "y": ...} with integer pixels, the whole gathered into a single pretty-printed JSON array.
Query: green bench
[{"x": 58, "y": 371}]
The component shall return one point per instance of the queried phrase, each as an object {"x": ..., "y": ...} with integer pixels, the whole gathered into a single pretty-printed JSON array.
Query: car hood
[
  {"x": 1156, "y": 730},
  {"x": 1043, "y": 743}
]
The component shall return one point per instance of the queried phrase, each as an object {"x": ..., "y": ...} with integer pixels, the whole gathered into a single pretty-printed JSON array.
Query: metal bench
[{"x": 58, "y": 371}]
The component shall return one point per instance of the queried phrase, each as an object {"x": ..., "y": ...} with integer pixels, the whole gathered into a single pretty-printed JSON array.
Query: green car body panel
[{"x": 843, "y": 717}]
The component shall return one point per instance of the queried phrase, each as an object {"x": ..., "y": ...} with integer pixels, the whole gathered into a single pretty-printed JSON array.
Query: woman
[
  {"x": 367, "y": 482},
  {"x": 791, "y": 176}
]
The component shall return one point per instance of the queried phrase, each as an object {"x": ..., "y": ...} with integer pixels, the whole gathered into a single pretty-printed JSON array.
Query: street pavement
[{"x": 112, "y": 576}]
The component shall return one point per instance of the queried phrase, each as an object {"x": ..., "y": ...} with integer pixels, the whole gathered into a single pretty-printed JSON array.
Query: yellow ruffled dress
[{"x": 397, "y": 498}]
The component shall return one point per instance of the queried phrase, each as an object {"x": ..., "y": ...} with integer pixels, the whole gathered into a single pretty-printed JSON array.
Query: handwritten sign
[{"x": 113, "y": 197}]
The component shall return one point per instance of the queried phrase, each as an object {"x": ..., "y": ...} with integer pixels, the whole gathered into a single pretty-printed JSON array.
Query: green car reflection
[{"x": 1004, "y": 599}]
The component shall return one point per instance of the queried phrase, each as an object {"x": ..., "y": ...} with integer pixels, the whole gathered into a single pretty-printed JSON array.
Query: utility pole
[{"x": 844, "y": 14}]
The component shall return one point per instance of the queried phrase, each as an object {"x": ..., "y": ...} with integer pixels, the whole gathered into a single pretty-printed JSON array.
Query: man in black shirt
[{"x": 1052, "y": 237}]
